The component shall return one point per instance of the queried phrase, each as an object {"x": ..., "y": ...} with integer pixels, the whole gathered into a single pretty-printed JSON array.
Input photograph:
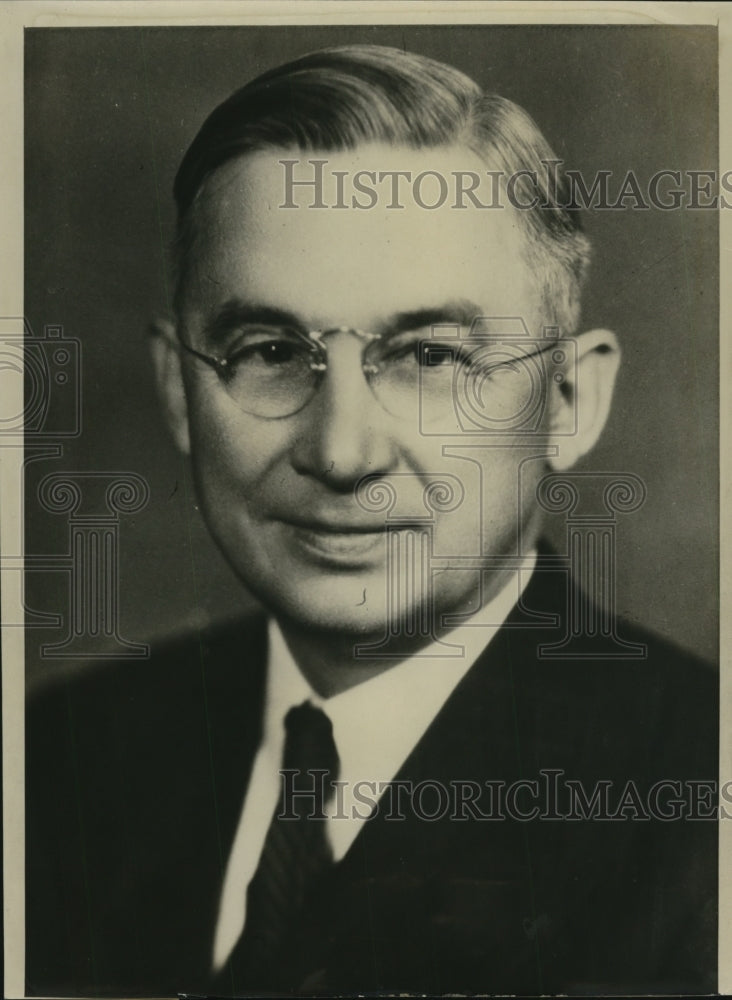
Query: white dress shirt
[{"x": 376, "y": 725}]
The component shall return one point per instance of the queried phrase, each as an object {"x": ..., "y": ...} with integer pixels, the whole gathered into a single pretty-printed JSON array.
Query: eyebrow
[
  {"x": 460, "y": 312},
  {"x": 237, "y": 312}
]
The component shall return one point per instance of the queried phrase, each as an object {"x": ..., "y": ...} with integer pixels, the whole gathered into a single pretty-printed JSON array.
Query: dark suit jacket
[{"x": 135, "y": 779}]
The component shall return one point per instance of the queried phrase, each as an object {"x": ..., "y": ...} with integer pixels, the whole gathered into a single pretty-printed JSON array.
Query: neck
[{"x": 328, "y": 661}]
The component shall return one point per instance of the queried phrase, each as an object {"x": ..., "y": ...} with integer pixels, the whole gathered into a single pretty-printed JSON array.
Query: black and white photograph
[{"x": 361, "y": 543}]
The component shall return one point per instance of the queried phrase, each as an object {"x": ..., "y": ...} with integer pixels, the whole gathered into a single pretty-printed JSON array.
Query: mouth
[{"x": 339, "y": 544}]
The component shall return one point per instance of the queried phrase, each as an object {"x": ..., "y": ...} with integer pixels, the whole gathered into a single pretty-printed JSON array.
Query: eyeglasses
[{"x": 274, "y": 372}]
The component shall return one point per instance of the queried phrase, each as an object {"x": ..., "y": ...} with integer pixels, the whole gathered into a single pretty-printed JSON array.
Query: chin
[{"x": 350, "y": 608}]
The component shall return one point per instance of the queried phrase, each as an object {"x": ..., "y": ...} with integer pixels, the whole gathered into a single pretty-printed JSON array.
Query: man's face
[{"x": 278, "y": 493}]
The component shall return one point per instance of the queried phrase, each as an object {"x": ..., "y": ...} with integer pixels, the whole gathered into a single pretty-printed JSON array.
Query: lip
[
  {"x": 335, "y": 527},
  {"x": 340, "y": 544}
]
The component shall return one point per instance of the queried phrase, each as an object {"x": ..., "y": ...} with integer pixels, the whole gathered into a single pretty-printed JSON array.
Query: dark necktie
[{"x": 296, "y": 852}]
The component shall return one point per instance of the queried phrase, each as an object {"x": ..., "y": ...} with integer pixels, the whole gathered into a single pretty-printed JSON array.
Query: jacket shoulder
[{"x": 227, "y": 653}]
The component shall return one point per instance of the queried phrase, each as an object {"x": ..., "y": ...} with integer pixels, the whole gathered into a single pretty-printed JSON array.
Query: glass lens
[
  {"x": 442, "y": 381},
  {"x": 409, "y": 365},
  {"x": 499, "y": 386},
  {"x": 454, "y": 382},
  {"x": 270, "y": 371}
]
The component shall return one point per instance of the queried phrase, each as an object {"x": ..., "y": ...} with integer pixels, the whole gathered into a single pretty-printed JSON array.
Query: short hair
[{"x": 337, "y": 99}]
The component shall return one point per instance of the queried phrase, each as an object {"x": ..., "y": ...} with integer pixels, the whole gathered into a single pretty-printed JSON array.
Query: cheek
[
  {"x": 231, "y": 453},
  {"x": 499, "y": 486}
]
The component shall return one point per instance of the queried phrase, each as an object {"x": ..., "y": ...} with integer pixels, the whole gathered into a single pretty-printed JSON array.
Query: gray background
[{"x": 109, "y": 113}]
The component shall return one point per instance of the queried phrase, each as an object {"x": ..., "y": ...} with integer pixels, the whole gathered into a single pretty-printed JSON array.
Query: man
[{"x": 377, "y": 384}]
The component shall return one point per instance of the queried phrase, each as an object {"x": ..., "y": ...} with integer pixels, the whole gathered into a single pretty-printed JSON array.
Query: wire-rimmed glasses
[{"x": 274, "y": 372}]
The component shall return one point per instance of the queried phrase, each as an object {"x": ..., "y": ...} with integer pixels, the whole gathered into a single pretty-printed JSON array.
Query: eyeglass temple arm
[{"x": 218, "y": 364}]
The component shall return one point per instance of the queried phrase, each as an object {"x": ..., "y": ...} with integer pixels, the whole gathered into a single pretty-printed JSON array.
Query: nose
[{"x": 344, "y": 434}]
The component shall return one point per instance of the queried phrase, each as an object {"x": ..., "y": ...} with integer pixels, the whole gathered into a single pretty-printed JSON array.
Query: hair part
[{"x": 338, "y": 99}]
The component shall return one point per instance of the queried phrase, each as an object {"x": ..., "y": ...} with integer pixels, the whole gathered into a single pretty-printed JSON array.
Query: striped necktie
[{"x": 296, "y": 853}]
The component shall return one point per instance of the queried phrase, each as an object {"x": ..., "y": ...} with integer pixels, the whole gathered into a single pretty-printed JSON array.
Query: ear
[
  {"x": 169, "y": 376},
  {"x": 580, "y": 404}
]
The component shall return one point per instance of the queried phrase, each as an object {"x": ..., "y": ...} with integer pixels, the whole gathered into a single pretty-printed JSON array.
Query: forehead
[{"x": 332, "y": 264}]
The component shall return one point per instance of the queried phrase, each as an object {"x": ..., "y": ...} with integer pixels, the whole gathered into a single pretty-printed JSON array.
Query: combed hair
[{"x": 340, "y": 98}]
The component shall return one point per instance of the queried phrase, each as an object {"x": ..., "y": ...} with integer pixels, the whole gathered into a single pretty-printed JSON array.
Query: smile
[{"x": 342, "y": 546}]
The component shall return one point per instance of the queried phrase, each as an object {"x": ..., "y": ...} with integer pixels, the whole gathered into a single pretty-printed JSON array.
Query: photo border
[{"x": 18, "y": 15}]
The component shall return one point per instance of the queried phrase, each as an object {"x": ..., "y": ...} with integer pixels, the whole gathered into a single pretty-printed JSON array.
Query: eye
[
  {"x": 268, "y": 349},
  {"x": 416, "y": 349},
  {"x": 435, "y": 355},
  {"x": 272, "y": 352}
]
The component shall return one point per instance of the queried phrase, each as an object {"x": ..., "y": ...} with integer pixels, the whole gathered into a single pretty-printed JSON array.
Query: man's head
[{"x": 281, "y": 484}]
